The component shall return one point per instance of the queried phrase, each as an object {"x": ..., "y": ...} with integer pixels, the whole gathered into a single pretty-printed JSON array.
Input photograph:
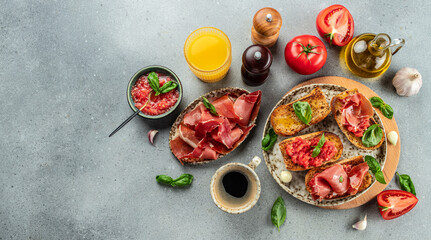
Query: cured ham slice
[
  {"x": 204, "y": 127},
  {"x": 235, "y": 134},
  {"x": 222, "y": 149},
  {"x": 356, "y": 176},
  {"x": 202, "y": 152},
  {"x": 180, "y": 148},
  {"x": 194, "y": 116},
  {"x": 338, "y": 180},
  {"x": 356, "y": 112},
  {"x": 243, "y": 106},
  {"x": 188, "y": 135},
  {"x": 224, "y": 107}
]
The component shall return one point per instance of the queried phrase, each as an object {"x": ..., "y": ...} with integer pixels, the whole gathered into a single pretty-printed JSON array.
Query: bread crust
[
  {"x": 285, "y": 122},
  {"x": 366, "y": 182},
  {"x": 336, "y": 112},
  {"x": 329, "y": 136}
]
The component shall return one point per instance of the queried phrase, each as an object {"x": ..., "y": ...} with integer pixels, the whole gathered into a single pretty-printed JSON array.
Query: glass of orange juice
[{"x": 208, "y": 53}]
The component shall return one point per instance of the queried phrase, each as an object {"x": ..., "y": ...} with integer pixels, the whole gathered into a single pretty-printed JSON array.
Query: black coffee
[{"x": 235, "y": 184}]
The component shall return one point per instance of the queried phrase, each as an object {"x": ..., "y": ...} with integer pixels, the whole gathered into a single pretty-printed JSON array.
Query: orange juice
[{"x": 208, "y": 53}]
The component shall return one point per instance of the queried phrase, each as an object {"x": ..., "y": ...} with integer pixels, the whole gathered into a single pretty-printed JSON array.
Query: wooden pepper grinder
[
  {"x": 256, "y": 61},
  {"x": 266, "y": 27}
]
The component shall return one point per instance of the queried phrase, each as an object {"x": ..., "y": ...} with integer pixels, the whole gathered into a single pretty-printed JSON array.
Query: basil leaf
[
  {"x": 380, "y": 177},
  {"x": 375, "y": 168},
  {"x": 372, "y": 136},
  {"x": 387, "y": 111},
  {"x": 269, "y": 140},
  {"x": 153, "y": 80},
  {"x": 170, "y": 87},
  {"x": 278, "y": 213},
  {"x": 341, "y": 179},
  {"x": 376, "y": 102},
  {"x": 303, "y": 111},
  {"x": 372, "y": 163},
  {"x": 318, "y": 148},
  {"x": 166, "y": 85},
  {"x": 209, "y": 106},
  {"x": 183, "y": 180},
  {"x": 406, "y": 183},
  {"x": 164, "y": 179}
]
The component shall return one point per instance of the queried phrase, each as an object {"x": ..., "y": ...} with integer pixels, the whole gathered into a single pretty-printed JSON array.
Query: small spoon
[{"x": 127, "y": 121}]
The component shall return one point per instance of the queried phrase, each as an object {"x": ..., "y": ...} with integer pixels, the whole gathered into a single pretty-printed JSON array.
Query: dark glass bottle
[{"x": 256, "y": 61}]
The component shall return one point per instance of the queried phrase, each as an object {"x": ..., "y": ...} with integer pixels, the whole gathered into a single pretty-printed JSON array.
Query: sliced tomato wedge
[
  {"x": 335, "y": 24},
  {"x": 395, "y": 203}
]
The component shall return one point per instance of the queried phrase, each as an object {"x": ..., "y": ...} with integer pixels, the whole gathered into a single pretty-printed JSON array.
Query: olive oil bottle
[{"x": 369, "y": 55}]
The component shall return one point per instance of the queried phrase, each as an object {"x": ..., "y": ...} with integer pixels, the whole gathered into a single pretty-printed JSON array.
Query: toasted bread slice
[
  {"x": 366, "y": 182},
  {"x": 336, "y": 106},
  {"x": 285, "y": 122},
  {"x": 328, "y": 137}
]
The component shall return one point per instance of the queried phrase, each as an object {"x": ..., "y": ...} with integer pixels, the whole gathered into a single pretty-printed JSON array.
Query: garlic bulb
[
  {"x": 361, "y": 225},
  {"x": 407, "y": 81}
]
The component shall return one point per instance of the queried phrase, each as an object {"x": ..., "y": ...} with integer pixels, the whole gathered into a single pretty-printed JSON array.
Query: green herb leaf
[
  {"x": 164, "y": 179},
  {"x": 269, "y": 140},
  {"x": 380, "y": 177},
  {"x": 209, "y": 106},
  {"x": 153, "y": 80},
  {"x": 372, "y": 136},
  {"x": 375, "y": 168},
  {"x": 278, "y": 213},
  {"x": 171, "y": 87},
  {"x": 166, "y": 85},
  {"x": 303, "y": 111},
  {"x": 318, "y": 148},
  {"x": 183, "y": 180},
  {"x": 341, "y": 179},
  {"x": 387, "y": 111},
  {"x": 406, "y": 183},
  {"x": 376, "y": 102}
]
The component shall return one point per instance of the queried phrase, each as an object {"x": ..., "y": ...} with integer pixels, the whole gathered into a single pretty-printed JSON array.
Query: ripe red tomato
[
  {"x": 394, "y": 203},
  {"x": 305, "y": 54},
  {"x": 335, "y": 25}
]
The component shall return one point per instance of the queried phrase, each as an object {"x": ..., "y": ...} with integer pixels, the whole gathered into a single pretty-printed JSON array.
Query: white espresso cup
[{"x": 228, "y": 202}]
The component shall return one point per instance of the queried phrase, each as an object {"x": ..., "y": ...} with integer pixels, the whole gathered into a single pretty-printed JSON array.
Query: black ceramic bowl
[{"x": 144, "y": 71}]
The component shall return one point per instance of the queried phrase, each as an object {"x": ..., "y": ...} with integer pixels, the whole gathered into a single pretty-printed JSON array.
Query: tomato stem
[{"x": 307, "y": 49}]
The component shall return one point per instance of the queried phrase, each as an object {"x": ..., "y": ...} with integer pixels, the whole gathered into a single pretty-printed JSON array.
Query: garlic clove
[
  {"x": 361, "y": 225},
  {"x": 286, "y": 176},
  {"x": 151, "y": 135},
  {"x": 407, "y": 81},
  {"x": 393, "y": 137}
]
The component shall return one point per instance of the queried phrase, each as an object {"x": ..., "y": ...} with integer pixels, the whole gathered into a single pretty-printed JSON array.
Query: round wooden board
[{"x": 393, "y": 152}]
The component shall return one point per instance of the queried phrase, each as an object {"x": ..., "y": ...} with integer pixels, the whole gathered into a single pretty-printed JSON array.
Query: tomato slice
[
  {"x": 395, "y": 203},
  {"x": 335, "y": 24}
]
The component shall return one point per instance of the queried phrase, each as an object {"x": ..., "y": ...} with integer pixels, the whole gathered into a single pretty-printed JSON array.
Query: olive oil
[{"x": 369, "y": 55}]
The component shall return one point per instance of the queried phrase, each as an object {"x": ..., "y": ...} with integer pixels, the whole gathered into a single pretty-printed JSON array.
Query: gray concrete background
[{"x": 64, "y": 69}]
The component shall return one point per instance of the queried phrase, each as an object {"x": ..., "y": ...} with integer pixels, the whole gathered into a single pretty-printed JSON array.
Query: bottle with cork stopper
[{"x": 266, "y": 27}]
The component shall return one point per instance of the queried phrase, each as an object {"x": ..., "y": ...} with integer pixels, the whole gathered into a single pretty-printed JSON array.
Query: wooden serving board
[{"x": 393, "y": 151}]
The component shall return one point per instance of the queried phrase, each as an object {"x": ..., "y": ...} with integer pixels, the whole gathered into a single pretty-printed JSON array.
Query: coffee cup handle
[{"x": 254, "y": 162}]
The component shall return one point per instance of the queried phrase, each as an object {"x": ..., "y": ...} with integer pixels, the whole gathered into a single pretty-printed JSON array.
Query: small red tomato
[
  {"x": 335, "y": 24},
  {"x": 394, "y": 203},
  {"x": 305, "y": 54}
]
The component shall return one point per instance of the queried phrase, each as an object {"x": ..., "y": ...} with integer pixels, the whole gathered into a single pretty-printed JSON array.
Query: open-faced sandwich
[
  {"x": 353, "y": 113},
  {"x": 214, "y": 125},
  {"x": 343, "y": 179},
  {"x": 289, "y": 119},
  {"x": 311, "y": 150}
]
